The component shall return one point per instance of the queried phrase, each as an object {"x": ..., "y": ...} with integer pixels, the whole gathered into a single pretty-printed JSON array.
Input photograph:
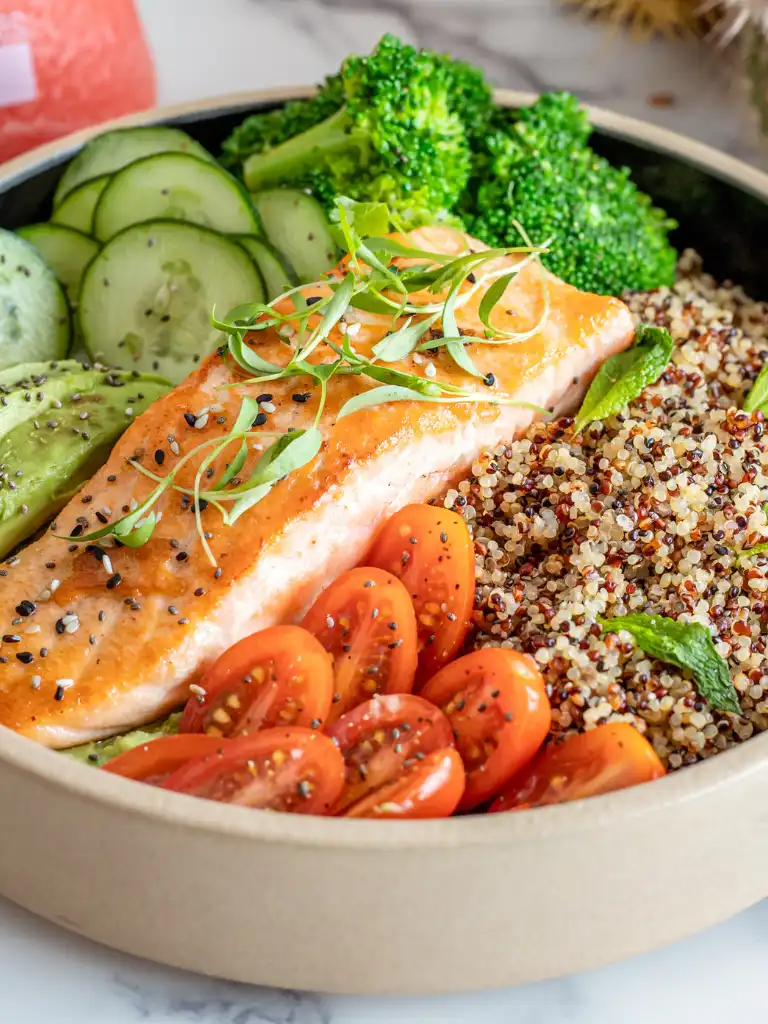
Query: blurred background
[{"x": 696, "y": 66}]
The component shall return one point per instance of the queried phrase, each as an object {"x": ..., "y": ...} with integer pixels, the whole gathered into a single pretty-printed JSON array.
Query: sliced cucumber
[
  {"x": 296, "y": 225},
  {"x": 66, "y": 251},
  {"x": 174, "y": 186},
  {"x": 113, "y": 150},
  {"x": 76, "y": 211},
  {"x": 278, "y": 275},
  {"x": 34, "y": 317},
  {"x": 146, "y": 299}
]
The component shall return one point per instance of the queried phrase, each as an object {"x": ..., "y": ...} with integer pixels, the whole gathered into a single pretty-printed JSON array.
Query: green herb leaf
[
  {"x": 141, "y": 532},
  {"x": 622, "y": 377},
  {"x": 758, "y": 549},
  {"x": 457, "y": 352},
  {"x": 757, "y": 399},
  {"x": 334, "y": 311},
  {"x": 249, "y": 410},
  {"x": 401, "y": 343},
  {"x": 289, "y": 453},
  {"x": 492, "y": 297},
  {"x": 234, "y": 467},
  {"x": 253, "y": 497},
  {"x": 688, "y": 645},
  {"x": 366, "y": 218},
  {"x": 246, "y": 358},
  {"x": 382, "y": 396}
]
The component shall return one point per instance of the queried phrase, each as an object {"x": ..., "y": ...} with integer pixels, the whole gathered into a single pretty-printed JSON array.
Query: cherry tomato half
[
  {"x": 365, "y": 620},
  {"x": 279, "y": 677},
  {"x": 497, "y": 704},
  {"x": 381, "y": 739},
  {"x": 606, "y": 758},
  {"x": 153, "y": 761},
  {"x": 431, "y": 551},
  {"x": 430, "y": 788},
  {"x": 294, "y": 770}
]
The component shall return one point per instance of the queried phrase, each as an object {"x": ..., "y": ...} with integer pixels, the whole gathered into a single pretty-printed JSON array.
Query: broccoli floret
[
  {"x": 263, "y": 131},
  {"x": 396, "y": 130},
  {"x": 534, "y": 167}
]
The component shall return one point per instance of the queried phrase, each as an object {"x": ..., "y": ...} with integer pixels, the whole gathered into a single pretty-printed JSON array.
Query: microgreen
[{"x": 371, "y": 283}]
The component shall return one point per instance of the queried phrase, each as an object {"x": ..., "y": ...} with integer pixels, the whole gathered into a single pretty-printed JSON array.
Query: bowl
[{"x": 399, "y": 907}]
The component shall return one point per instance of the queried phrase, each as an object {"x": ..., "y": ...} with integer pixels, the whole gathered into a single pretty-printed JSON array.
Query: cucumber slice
[
  {"x": 146, "y": 299},
  {"x": 278, "y": 275},
  {"x": 76, "y": 211},
  {"x": 34, "y": 317},
  {"x": 66, "y": 251},
  {"x": 296, "y": 225},
  {"x": 174, "y": 186},
  {"x": 113, "y": 150}
]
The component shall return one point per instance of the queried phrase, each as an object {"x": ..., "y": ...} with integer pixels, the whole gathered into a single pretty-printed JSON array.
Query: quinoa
[{"x": 645, "y": 512}]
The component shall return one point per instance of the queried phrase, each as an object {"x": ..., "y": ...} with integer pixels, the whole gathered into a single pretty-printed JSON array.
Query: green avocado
[
  {"x": 101, "y": 751},
  {"x": 58, "y": 423}
]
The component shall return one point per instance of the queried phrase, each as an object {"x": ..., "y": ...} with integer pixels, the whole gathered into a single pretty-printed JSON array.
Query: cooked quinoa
[{"x": 645, "y": 512}]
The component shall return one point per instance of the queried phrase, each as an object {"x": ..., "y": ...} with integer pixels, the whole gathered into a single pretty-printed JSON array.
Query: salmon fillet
[{"x": 105, "y": 659}]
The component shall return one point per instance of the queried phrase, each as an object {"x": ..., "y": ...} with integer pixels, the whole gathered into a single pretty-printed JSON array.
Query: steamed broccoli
[
  {"x": 392, "y": 127},
  {"x": 534, "y": 167}
]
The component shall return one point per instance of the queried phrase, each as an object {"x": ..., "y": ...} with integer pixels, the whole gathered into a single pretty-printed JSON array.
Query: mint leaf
[
  {"x": 688, "y": 645},
  {"x": 622, "y": 377}
]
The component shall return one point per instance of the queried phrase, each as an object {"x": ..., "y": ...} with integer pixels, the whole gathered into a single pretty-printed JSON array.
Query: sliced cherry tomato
[
  {"x": 497, "y": 704},
  {"x": 606, "y": 758},
  {"x": 153, "y": 761},
  {"x": 365, "y": 620},
  {"x": 431, "y": 551},
  {"x": 295, "y": 770},
  {"x": 381, "y": 739},
  {"x": 279, "y": 677},
  {"x": 430, "y": 788}
]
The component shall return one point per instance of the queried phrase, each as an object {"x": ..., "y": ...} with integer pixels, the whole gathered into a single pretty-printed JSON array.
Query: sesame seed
[{"x": 114, "y": 581}]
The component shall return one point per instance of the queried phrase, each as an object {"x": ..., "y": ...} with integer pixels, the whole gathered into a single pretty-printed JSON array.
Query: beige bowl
[{"x": 382, "y": 907}]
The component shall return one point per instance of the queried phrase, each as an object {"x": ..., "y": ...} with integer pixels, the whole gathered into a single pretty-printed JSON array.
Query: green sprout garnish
[{"x": 370, "y": 283}]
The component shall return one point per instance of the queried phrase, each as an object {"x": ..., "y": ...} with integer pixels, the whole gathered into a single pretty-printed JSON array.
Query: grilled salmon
[{"x": 113, "y": 642}]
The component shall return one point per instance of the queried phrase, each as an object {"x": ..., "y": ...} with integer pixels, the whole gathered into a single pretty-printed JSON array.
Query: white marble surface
[{"x": 206, "y": 47}]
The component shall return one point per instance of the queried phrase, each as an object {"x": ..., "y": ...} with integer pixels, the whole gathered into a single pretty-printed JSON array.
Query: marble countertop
[{"x": 202, "y": 47}]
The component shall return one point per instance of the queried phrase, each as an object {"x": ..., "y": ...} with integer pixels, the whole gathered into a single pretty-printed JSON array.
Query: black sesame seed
[
  {"x": 302, "y": 396},
  {"x": 489, "y": 380},
  {"x": 159, "y": 456},
  {"x": 114, "y": 581},
  {"x": 25, "y": 608},
  {"x": 25, "y": 657},
  {"x": 182, "y": 556},
  {"x": 59, "y": 695},
  {"x": 190, "y": 418},
  {"x": 260, "y": 420},
  {"x": 11, "y": 638},
  {"x": 266, "y": 397}
]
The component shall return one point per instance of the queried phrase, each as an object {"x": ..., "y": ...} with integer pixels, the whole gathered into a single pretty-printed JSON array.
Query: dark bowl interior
[{"x": 727, "y": 225}]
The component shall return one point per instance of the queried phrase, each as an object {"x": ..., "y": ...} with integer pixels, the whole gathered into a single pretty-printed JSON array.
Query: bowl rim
[{"x": 51, "y": 769}]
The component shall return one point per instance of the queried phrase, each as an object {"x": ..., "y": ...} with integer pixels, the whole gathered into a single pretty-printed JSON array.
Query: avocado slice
[
  {"x": 101, "y": 751},
  {"x": 58, "y": 424}
]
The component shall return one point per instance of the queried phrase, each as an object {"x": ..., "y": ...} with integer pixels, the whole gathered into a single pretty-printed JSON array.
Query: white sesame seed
[
  {"x": 65, "y": 683},
  {"x": 201, "y": 421},
  {"x": 353, "y": 329},
  {"x": 268, "y": 406},
  {"x": 35, "y": 682},
  {"x": 129, "y": 411},
  {"x": 430, "y": 370},
  {"x": 32, "y": 629},
  {"x": 198, "y": 690},
  {"x": 418, "y": 359},
  {"x": 330, "y": 622},
  {"x": 107, "y": 564}
]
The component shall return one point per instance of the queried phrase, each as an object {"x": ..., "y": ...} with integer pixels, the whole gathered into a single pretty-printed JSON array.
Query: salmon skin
[{"x": 114, "y": 642}]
